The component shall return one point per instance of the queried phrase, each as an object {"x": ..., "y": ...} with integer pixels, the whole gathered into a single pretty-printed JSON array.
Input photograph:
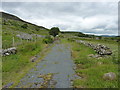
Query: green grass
[
  {"x": 15, "y": 63},
  {"x": 16, "y": 26},
  {"x": 13, "y": 27},
  {"x": 14, "y": 67},
  {"x": 89, "y": 68},
  {"x": 93, "y": 77}
]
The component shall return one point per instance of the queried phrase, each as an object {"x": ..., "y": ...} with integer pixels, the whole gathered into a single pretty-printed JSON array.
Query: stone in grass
[
  {"x": 99, "y": 63},
  {"x": 109, "y": 76},
  {"x": 33, "y": 59},
  {"x": 90, "y": 55},
  {"x": 95, "y": 56}
]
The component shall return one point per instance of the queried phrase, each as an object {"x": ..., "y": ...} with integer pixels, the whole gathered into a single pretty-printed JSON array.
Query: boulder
[
  {"x": 9, "y": 51},
  {"x": 109, "y": 76}
]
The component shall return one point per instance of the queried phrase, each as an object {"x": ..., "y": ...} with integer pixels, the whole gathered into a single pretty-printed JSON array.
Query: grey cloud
[
  {"x": 83, "y": 16},
  {"x": 62, "y": 26}
]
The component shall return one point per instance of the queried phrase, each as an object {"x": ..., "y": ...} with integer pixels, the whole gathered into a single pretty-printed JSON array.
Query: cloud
[{"x": 86, "y": 17}]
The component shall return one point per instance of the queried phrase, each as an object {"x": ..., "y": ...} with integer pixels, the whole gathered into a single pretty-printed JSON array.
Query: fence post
[{"x": 13, "y": 42}]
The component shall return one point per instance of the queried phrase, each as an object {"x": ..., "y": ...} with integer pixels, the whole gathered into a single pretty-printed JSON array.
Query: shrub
[
  {"x": 24, "y": 26},
  {"x": 48, "y": 39},
  {"x": 4, "y": 22}
]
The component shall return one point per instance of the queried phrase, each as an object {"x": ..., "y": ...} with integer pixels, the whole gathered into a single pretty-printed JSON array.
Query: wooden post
[
  {"x": 13, "y": 42},
  {"x": 36, "y": 41}
]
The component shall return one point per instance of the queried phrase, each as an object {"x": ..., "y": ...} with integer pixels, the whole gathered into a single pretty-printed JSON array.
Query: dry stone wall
[
  {"x": 9, "y": 51},
  {"x": 100, "y": 49}
]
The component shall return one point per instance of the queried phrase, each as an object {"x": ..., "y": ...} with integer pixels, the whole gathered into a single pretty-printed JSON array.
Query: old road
[{"x": 54, "y": 71}]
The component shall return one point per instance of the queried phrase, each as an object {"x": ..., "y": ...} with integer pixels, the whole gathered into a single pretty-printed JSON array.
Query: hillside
[
  {"x": 13, "y": 17},
  {"x": 13, "y": 26},
  {"x": 26, "y": 38},
  {"x": 9, "y": 16}
]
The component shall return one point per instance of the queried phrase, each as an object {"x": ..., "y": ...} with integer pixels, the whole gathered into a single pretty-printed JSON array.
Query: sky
[{"x": 99, "y": 18}]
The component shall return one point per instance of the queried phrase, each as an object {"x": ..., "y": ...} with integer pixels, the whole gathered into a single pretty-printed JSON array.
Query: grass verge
[
  {"x": 91, "y": 70},
  {"x": 16, "y": 66}
]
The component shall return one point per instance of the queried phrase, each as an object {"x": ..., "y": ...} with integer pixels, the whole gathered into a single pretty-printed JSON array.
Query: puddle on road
[{"x": 55, "y": 71}]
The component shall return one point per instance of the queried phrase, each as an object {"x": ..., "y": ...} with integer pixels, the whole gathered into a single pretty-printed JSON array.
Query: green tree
[
  {"x": 100, "y": 37},
  {"x": 54, "y": 31}
]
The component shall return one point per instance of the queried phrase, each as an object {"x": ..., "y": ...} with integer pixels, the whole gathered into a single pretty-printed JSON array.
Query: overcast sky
[{"x": 87, "y": 17}]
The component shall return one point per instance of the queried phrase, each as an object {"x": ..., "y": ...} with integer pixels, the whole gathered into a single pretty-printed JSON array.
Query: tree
[
  {"x": 54, "y": 31},
  {"x": 100, "y": 37}
]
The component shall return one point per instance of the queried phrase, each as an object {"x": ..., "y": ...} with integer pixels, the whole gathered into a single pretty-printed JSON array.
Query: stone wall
[
  {"x": 9, "y": 51},
  {"x": 100, "y": 49}
]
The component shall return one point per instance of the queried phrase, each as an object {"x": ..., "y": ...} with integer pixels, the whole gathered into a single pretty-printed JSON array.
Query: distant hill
[
  {"x": 108, "y": 35},
  {"x": 79, "y": 34},
  {"x": 13, "y": 17},
  {"x": 69, "y": 32}
]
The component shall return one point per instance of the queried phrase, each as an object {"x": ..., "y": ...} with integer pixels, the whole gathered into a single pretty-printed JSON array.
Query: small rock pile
[
  {"x": 9, "y": 51},
  {"x": 100, "y": 49}
]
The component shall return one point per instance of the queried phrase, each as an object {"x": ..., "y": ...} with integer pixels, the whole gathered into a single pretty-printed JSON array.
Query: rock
[
  {"x": 99, "y": 57},
  {"x": 94, "y": 56},
  {"x": 33, "y": 59},
  {"x": 7, "y": 54},
  {"x": 74, "y": 68},
  {"x": 9, "y": 51},
  {"x": 37, "y": 35},
  {"x": 109, "y": 76},
  {"x": 90, "y": 55}
]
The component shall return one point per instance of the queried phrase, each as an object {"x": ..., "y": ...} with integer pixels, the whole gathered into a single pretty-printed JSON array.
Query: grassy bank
[
  {"x": 91, "y": 70},
  {"x": 16, "y": 66}
]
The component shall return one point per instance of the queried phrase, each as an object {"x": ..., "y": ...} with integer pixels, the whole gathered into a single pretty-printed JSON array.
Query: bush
[
  {"x": 48, "y": 39},
  {"x": 24, "y": 26},
  {"x": 4, "y": 22}
]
